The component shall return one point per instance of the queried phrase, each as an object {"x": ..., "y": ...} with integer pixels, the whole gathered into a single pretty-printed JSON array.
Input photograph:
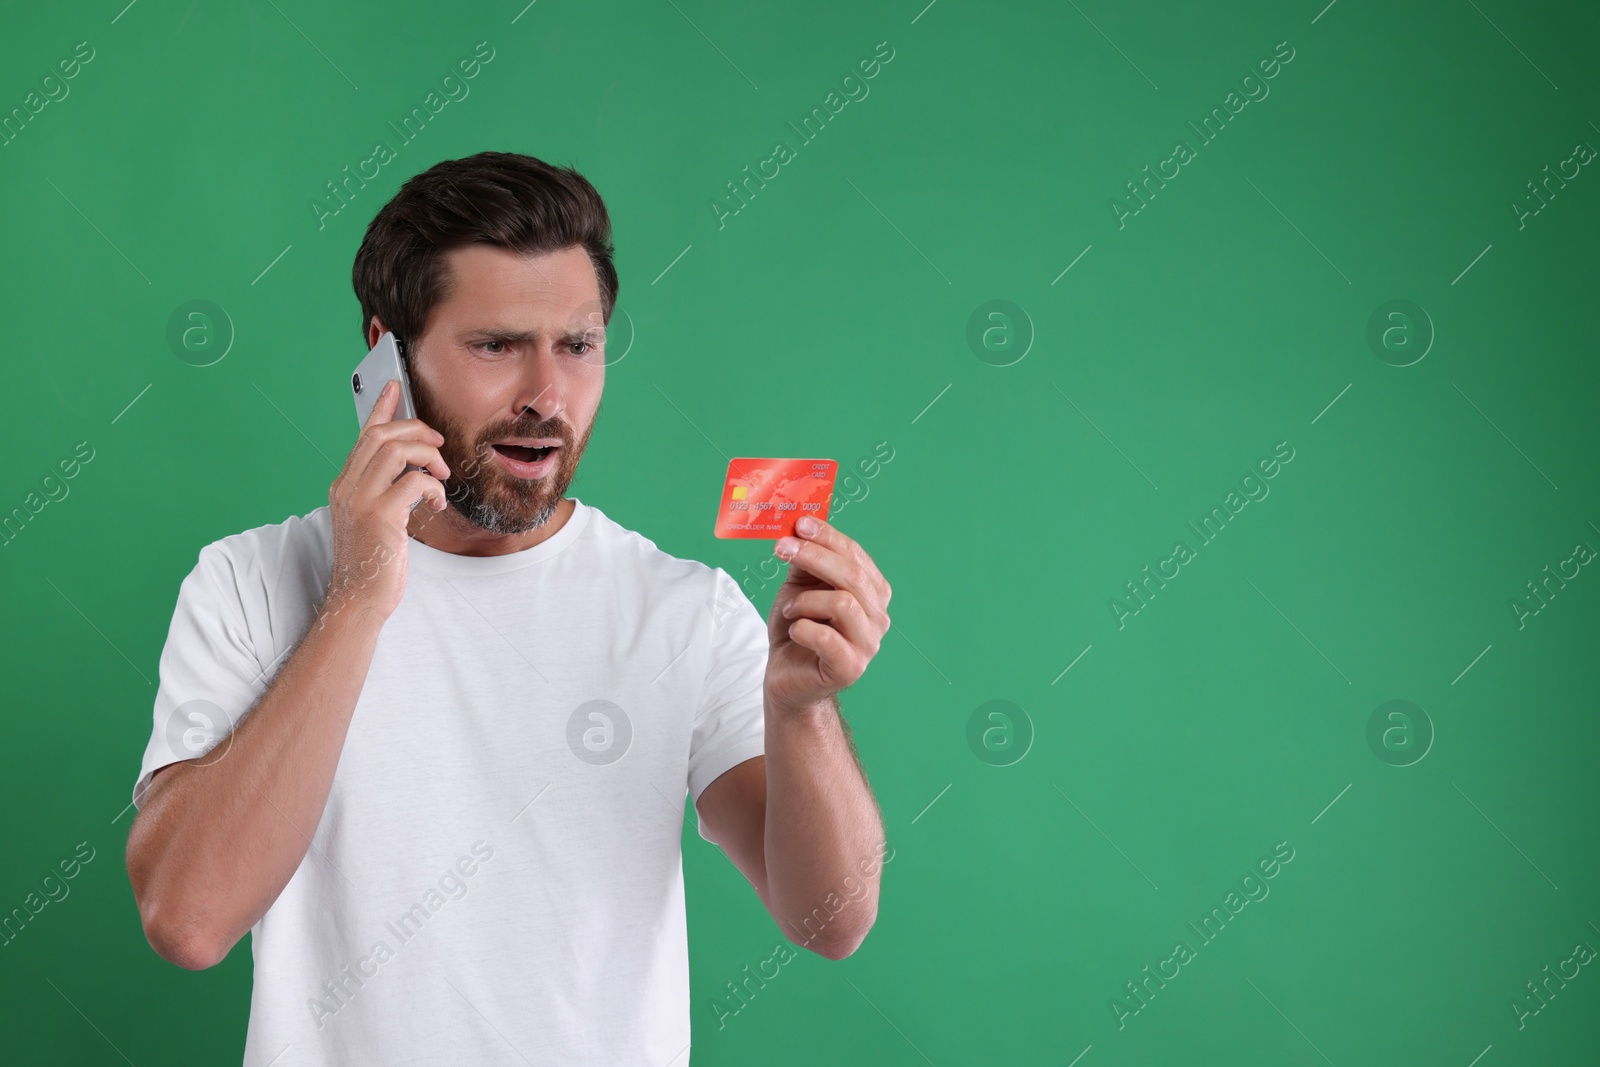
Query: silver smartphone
[{"x": 386, "y": 361}]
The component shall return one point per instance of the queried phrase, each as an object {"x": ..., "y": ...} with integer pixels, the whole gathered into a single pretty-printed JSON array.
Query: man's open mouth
[{"x": 524, "y": 453}]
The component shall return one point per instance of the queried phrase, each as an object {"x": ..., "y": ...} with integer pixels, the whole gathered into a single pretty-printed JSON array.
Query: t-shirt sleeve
[
  {"x": 730, "y": 722},
  {"x": 210, "y": 675}
]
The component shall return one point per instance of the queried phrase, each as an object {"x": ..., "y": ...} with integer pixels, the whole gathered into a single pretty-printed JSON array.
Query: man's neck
[{"x": 449, "y": 531}]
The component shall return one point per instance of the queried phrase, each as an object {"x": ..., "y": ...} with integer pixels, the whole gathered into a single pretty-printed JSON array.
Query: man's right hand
[{"x": 372, "y": 500}]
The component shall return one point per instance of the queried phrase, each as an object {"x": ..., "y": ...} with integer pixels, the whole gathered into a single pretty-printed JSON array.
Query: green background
[{"x": 831, "y": 314}]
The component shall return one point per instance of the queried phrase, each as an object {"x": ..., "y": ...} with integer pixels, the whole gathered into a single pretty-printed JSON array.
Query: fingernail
[
  {"x": 808, "y": 525},
  {"x": 786, "y": 548}
]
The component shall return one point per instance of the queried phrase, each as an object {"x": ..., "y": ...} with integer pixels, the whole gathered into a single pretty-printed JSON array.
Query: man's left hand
[{"x": 828, "y": 617}]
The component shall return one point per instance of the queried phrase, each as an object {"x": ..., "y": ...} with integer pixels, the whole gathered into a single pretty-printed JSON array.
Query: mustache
[{"x": 552, "y": 428}]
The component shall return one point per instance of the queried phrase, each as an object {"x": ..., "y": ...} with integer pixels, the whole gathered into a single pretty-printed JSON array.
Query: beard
[{"x": 485, "y": 493}]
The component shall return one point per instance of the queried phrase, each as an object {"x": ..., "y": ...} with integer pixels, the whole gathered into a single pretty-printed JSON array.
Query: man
[{"x": 429, "y": 744}]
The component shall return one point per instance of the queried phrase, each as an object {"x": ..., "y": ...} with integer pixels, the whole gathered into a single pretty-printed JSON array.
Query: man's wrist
[
  {"x": 822, "y": 711},
  {"x": 345, "y": 611}
]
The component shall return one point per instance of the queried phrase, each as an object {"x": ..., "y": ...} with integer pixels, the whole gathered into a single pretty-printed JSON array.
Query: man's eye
[
  {"x": 584, "y": 346},
  {"x": 485, "y": 344}
]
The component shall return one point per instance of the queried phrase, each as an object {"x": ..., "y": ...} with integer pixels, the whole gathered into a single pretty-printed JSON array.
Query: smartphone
[{"x": 386, "y": 362}]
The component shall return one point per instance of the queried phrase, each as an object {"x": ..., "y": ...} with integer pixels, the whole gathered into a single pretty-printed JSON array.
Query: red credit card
[{"x": 764, "y": 497}]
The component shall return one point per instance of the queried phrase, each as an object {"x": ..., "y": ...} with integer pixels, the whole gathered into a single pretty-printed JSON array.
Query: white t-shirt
[{"x": 497, "y": 877}]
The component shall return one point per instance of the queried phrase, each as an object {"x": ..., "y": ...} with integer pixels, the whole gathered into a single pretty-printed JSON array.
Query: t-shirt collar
[{"x": 432, "y": 560}]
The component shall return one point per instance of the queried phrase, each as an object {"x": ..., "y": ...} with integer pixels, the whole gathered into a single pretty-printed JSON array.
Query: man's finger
[
  {"x": 839, "y": 662},
  {"x": 379, "y": 414},
  {"x": 839, "y": 571},
  {"x": 842, "y": 610},
  {"x": 831, "y": 536}
]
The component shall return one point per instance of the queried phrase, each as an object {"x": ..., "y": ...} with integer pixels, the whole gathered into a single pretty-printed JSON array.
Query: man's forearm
[{"x": 823, "y": 830}]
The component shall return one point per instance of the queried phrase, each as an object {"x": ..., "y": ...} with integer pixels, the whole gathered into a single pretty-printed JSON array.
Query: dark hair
[{"x": 498, "y": 198}]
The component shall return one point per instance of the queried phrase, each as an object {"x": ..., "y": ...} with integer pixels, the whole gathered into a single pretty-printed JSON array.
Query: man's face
[{"x": 515, "y": 351}]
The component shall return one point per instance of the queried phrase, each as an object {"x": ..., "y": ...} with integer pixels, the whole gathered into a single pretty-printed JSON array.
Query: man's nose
[{"x": 543, "y": 392}]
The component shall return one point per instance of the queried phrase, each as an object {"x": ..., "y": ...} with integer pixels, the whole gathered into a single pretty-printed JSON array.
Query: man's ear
[{"x": 375, "y": 330}]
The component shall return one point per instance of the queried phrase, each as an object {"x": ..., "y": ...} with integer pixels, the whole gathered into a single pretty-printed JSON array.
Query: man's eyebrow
[{"x": 516, "y": 337}]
